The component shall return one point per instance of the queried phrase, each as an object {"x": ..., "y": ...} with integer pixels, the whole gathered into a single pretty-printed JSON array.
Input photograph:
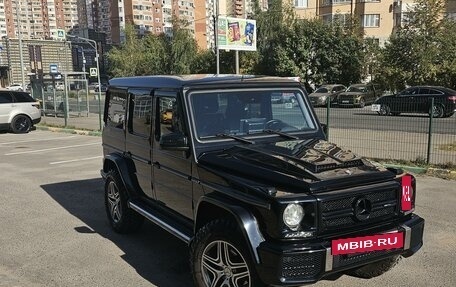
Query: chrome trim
[
  {"x": 329, "y": 260},
  {"x": 159, "y": 222},
  {"x": 408, "y": 236}
]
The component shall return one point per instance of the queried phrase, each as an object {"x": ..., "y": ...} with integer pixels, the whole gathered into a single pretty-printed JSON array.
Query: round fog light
[{"x": 293, "y": 215}]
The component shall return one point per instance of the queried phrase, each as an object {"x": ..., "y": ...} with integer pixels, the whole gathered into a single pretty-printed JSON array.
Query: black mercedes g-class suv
[{"x": 252, "y": 186}]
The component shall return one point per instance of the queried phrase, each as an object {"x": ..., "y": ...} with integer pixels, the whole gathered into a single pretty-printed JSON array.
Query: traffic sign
[
  {"x": 93, "y": 72},
  {"x": 60, "y": 34},
  {"x": 53, "y": 69}
]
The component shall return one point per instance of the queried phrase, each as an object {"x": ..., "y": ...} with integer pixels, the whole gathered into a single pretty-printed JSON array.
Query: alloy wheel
[
  {"x": 224, "y": 266},
  {"x": 115, "y": 207}
]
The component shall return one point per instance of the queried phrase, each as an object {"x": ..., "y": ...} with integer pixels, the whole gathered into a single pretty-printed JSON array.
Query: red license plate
[{"x": 376, "y": 242}]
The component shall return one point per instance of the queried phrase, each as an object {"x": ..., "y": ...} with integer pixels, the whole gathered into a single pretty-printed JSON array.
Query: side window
[
  {"x": 435, "y": 92},
  {"x": 409, "y": 92},
  {"x": 5, "y": 98},
  {"x": 168, "y": 114},
  {"x": 116, "y": 109},
  {"x": 23, "y": 98},
  {"x": 424, "y": 91},
  {"x": 140, "y": 112}
]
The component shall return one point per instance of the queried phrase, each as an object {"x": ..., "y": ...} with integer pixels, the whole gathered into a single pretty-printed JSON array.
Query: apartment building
[
  {"x": 39, "y": 19},
  {"x": 378, "y": 18}
]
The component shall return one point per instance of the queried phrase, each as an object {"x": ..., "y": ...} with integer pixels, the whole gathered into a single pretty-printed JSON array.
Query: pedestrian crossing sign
[
  {"x": 93, "y": 72},
  {"x": 60, "y": 34}
]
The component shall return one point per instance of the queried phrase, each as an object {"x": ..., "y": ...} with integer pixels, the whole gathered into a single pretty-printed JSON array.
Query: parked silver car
[
  {"x": 325, "y": 92},
  {"x": 18, "y": 111}
]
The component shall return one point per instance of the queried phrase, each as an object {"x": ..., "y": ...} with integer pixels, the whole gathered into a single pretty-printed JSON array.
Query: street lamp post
[{"x": 93, "y": 44}]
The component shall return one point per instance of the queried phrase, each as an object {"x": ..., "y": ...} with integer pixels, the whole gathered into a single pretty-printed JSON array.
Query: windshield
[
  {"x": 321, "y": 90},
  {"x": 357, "y": 89},
  {"x": 248, "y": 112}
]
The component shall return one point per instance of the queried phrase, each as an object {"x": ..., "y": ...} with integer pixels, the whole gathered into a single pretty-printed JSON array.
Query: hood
[
  {"x": 295, "y": 166},
  {"x": 351, "y": 94}
]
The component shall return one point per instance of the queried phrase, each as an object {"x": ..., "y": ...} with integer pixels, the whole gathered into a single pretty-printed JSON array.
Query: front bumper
[{"x": 298, "y": 264}]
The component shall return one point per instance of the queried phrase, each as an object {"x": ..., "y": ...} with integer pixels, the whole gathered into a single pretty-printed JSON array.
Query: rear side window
[
  {"x": 23, "y": 98},
  {"x": 5, "y": 98},
  {"x": 140, "y": 112},
  {"x": 116, "y": 109}
]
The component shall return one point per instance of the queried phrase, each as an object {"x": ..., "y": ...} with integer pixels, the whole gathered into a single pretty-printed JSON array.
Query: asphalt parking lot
[{"x": 54, "y": 230}]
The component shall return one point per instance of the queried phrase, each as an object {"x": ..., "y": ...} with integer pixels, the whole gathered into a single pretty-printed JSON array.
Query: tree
[
  {"x": 125, "y": 59},
  {"x": 420, "y": 51}
]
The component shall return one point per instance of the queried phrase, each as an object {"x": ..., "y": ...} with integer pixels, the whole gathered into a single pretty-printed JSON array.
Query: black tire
[
  {"x": 375, "y": 269},
  {"x": 221, "y": 237},
  {"x": 121, "y": 218},
  {"x": 362, "y": 103},
  {"x": 385, "y": 110},
  {"x": 21, "y": 124},
  {"x": 437, "y": 111}
]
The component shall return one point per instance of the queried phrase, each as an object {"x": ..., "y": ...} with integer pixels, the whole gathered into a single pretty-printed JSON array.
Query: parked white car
[
  {"x": 18, "y": 111},
  {"x": 15, "y": 87}
]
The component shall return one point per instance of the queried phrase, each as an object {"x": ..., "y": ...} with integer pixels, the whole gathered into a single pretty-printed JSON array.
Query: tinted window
[
  {"x": 435, "y": 92},
  {"x": 5, "y": 98},
  {"x": 23, "y": 98},
  {"x": 141, "y": 112},
  {"x": 410, "y": 91},
  {"x": 169, "y": 120},
  {"x": 424, "y": 91},
  {"x": 116, "y": 109},
  {"x": 321, "y": 90}
]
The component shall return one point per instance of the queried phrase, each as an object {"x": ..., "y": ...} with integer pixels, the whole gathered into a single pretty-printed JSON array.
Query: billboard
[{"x": 236, "y": 34}]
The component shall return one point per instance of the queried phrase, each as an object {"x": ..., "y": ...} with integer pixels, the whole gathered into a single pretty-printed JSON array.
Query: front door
[{"x": 171, "y": 168}]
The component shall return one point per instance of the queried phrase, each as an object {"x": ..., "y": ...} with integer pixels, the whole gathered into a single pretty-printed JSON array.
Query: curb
[
  {"x": 412, "y": 169},
  {"x": 432, "y": 171},
  {"x": 444, "y": 173},
  {"x": 69, "y": 130}
]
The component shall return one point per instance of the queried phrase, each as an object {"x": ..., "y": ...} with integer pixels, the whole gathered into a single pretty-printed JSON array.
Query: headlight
[{"x": 293, "y": 215}]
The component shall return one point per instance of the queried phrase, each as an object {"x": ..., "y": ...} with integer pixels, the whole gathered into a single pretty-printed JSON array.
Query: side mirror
[{"x": 174, "y": 141}]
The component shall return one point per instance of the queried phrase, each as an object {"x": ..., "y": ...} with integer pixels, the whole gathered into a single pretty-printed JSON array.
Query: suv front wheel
[
  {"x": 121, "y": 218},
  {"x": 219, "y": 257}
]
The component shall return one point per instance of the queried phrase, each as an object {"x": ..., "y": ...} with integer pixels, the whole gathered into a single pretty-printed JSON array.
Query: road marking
[
  {"x": 68, "y": 137},
  {"x": 49, "y": 149},
  {"x": 75, "y": 160}
]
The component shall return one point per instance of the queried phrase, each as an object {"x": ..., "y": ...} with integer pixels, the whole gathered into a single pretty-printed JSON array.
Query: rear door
[
  {"x": 138, "y": 137},
  {"x": 6, "y": 105}
]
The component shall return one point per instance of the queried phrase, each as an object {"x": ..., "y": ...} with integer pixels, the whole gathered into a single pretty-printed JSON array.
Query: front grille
[
  {"x": 304, "y": 266},
  {"x": 340, "y": 213},
  {"x": 349, "y": 259}
]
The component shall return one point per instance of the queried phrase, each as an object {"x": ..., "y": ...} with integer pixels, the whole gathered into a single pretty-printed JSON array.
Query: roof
[{"x": 163, "y": 81}]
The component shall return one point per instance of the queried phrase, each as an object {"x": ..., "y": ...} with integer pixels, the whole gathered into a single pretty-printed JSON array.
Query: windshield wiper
[
  {"x": 285, "y": 135},
  {"x": 235, "y": 138}
]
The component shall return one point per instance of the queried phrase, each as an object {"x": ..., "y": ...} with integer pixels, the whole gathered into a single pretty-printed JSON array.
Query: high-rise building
[
  {"x": 39, "y": 19},
  {"x": 378, "y": 19}
]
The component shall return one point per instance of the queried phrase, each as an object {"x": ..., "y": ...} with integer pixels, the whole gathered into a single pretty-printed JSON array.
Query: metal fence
[{"x": 408, "y": 136}]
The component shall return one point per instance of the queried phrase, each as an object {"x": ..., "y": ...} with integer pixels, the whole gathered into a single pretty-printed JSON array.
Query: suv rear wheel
[
  {"x": 121, "y": 218},
  {"x": 219, "y": 257},
  {"x": 21, "y": 124}
]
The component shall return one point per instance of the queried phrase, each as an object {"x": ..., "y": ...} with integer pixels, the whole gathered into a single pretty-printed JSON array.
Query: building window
[
  {"x": 371, "y": 20},
  {"x": 333, "y": 2},
  {"x": 300, "y": 3},
  {"x": 451, "y": 16}
]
